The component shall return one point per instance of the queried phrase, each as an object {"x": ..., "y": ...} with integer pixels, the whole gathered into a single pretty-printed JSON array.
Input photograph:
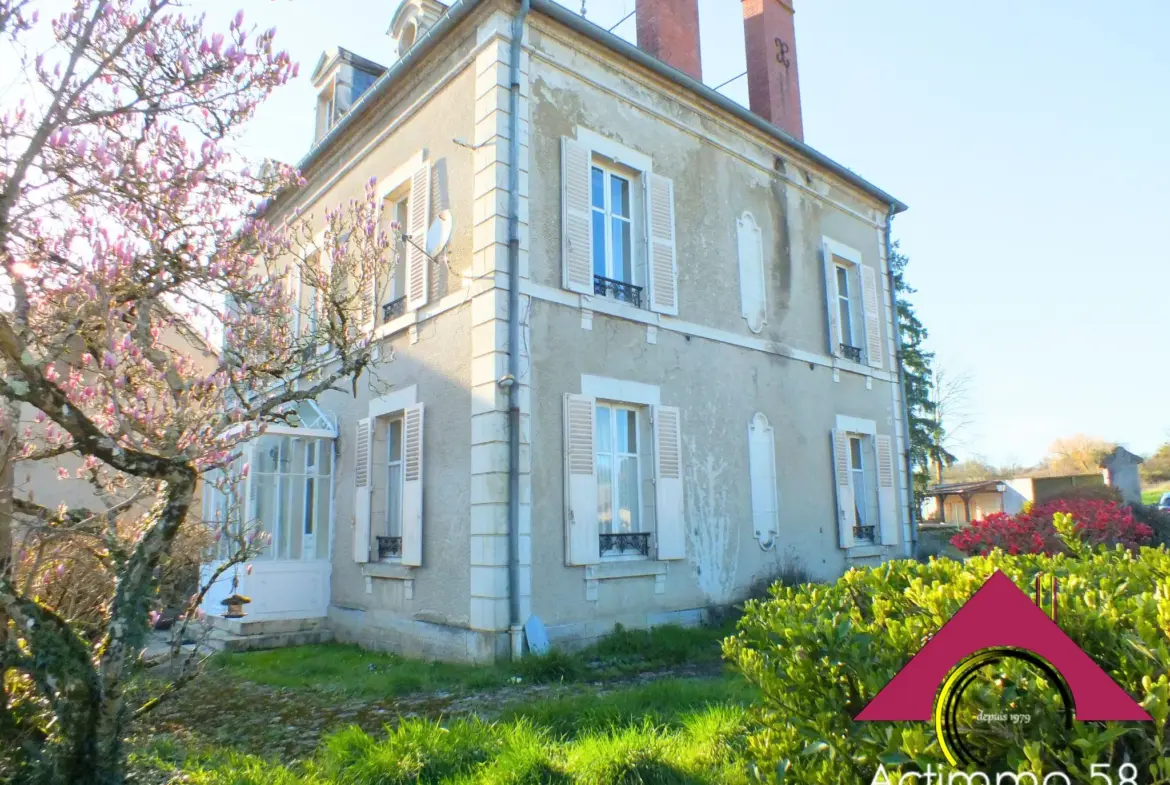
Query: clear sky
[{"x": 1031, "y": 140}]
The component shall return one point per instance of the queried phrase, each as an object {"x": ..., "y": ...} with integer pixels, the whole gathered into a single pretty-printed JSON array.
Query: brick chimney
[
  {"x": 773, "y": 88},
  {"x": 669, "y": 30}
]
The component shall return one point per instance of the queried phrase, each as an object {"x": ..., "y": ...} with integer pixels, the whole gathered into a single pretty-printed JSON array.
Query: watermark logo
[{"x": 1000, "y": 622}]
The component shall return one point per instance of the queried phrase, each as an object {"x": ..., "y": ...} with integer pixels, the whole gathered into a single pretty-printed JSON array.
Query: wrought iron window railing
[
  {"x": 619, "y": 290},
  {"x": 863, "y": 533},
  {"x": 389, "y": 547},
  {"x": 626, "y": 542},
  {"x": 393, "y": 309},
  {"x": 851, "y": 352}
]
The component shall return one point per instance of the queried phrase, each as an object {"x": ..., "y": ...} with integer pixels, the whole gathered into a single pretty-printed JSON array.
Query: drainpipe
[
  {"x": 515, "y": 630},
  {"x": 910, "y": 527}
]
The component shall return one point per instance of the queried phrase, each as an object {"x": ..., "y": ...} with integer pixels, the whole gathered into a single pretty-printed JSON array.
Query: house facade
[{"x": 705, "y": 364}]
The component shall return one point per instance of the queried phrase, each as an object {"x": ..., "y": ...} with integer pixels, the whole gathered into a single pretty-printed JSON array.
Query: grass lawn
[
  {"x": 1152, "y": 497},
  {"x": 636, "y": 707}
]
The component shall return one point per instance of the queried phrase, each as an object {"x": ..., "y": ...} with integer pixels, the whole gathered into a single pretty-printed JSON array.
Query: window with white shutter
[
  {"x": 762, "y": 471},
  {"x": 581, "y": 498},
  {"x": 847, "y": 285},
  {"x": 672, "y": 539},
  {"x": 418, "y": 267},
  {"x": 886, "y": 491},
  {"x": 412, "y": 485},
  {"x": 871, "y": 303},
  {"x": 576, "y": 220},
  {"x": 361, "y": 474},
  {"x": 662, "y": 252},
  {"x": 844, "y": 481}
]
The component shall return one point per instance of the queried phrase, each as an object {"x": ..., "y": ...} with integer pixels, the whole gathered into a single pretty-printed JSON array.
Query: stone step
[{"x": 271, "y": 640}]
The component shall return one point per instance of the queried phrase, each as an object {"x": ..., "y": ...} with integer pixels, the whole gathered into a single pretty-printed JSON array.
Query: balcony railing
[
  {"x": 626, "y": 542},
  {"x": 389, "y": 547},
  {"x": 618, "y": 290},
  {"x": 863, "y": 533},
  {"x": 393, "y": 309},
  {"x": 851, "y": 352}
]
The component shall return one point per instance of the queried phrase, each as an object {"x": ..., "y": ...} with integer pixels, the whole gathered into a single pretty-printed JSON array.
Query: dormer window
[
  {"x": 341, "y": 77},
  {"x": 411, "y": 21}
]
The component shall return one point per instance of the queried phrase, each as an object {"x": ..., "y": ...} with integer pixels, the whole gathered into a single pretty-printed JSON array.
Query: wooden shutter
[
  {"x": 581, "y": 542},
  {"x": 418, "y": 267},
  {"x": 762, "y": 470},
  {"x": 846, "y": 512},
  {"x": 361, "y": 481},
  {"x": 831, "y": 301},
  {"x": 668, "y": 509},
  {"x": 887, "y": 494},
  {"x": 871, "y": 305},
  {"x": 576, "y": 216},
  {"x": 661, "y": 248},
  {"x": 412, "y": 485}
]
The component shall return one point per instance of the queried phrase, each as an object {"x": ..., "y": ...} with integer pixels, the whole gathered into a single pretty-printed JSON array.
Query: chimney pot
[
  {"x": 669, "y": 30},
  {"x": 769, "y": 33}
]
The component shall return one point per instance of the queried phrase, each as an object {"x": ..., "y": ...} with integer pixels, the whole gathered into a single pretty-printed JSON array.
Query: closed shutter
[
  {"x": 418, "y": 268},
  {"x": 668, "y": 511},
  {"x": 576, "y": 216},
  {"x": 846, "y": 513},
  {"x": 581, "y": 542},
  {"x": 871, "y": 304},
  {"x": 887, "y": 494},
  {"x": 831, "y": 301},
  {"x": 663, "y": 258},
  {"x": 762, "y": 469},
  {"x": 412, "y": 485},
  {"x": 361, "y": 502}
]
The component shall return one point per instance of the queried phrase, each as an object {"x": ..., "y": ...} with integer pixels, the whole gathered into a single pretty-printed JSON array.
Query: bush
[
  {"x": 819, "y": 654},
  {"x": 1032, "y": 531},
  {"x": 1157, "y": 520}
]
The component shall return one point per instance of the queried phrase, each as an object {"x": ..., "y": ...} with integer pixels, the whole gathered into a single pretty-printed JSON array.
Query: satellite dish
[{"x": 439, "y": 234}]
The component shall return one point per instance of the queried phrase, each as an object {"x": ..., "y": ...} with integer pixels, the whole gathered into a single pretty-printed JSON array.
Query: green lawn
[
  {"x": 636, "y": 707},
  {"x": 354, "y": 672},
  {"x": 1152, "y": 497}
]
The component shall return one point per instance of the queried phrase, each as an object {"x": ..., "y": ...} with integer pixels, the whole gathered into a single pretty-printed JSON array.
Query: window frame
[
  {"x": 284, "y": 518},
  {"x": 400, "y": 464},
  {"x": 615, "y": 456},
  {"x": 635, "y": 181}
]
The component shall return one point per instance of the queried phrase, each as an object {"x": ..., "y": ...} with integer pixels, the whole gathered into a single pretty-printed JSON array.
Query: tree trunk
[{"x": 10, "y": 413}]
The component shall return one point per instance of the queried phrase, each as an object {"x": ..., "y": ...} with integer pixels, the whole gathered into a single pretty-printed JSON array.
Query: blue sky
[{"x": 1031, "y": 141}]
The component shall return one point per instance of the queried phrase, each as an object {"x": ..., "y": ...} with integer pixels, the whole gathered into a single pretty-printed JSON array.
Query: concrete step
[{"x": 271, "y": 640}]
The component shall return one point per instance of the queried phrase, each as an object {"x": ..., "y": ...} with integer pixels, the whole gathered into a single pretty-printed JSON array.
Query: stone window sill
[
  {"x": 389, "y": 571},
  {"x": 621, "y": 568}
]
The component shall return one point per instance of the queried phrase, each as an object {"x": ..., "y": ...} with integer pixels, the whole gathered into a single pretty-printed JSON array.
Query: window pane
[
  {"x": 627, "y": 430},
  {"x": 619, "y": 196},
  {"x": 627, "y": 515},
  {"x": 310, "y": 505},
  {"x": 599, "y": 244},
  {"x": 267, "y": 454},
  {"x": 855, "y": 453},
  {"x": 623, "y": 261},
  {"x": 598, "y": 188},
  {"x": 324, "y": 458},
  {"x": 394, "y": 501},
  {"x": 846, "y": 322},
  {"x": 605, "y": 494},
  {"x": 604, "y": 430},
  {"x": 323, "y": 529},
  {"x": 264, "y": 488},
  {"x": 842, "y": 282},
  {"x": 395, "y": 439}
]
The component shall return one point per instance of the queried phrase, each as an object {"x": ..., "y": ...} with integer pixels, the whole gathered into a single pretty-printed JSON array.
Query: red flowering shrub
[{"x": 1098, "y": 523}]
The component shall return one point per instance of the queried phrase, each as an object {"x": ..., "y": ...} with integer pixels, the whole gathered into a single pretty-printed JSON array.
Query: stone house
[{"x": 692, "y": 384}]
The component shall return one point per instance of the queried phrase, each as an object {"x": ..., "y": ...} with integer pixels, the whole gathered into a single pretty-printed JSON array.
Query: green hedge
[{"x": 819, "y": 653}]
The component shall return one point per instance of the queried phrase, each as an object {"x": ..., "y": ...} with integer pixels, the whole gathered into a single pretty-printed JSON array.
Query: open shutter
[
  {"x": 361, "y": 481},
  {"x": 418, "y": 268},
  {"x": 412, "y": 485},
  {"x": 581, "y": 542},
  {"x": 846, "y": 511},
  {"x": 871, "y": 304},
  {"x": 831, "y": 301},
  {"x": 576, "y": 216},
  {"x": 762, "y": 470},
  {"x": 887, "y": 496},
  {"x": 668, "y": 510},
  {"x": 663, "y": 258}
]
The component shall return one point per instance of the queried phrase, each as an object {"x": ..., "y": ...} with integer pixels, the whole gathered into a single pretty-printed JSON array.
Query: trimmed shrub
[
  {"x": 1032, "y": 530},
  {"x": 819, "y": 654}
]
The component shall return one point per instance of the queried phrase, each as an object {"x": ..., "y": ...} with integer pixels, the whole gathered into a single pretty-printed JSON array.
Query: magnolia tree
[{"x": 147, "y": 328}]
